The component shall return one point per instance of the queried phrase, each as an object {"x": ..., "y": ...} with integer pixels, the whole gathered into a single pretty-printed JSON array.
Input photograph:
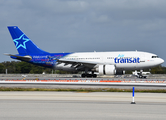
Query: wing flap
[{"x": 79, "y": 64}]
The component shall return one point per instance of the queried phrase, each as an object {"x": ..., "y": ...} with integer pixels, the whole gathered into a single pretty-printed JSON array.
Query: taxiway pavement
[{"x": 74, "y": 105}]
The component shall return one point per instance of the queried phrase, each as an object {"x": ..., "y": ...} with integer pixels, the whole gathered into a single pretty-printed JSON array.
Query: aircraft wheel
[
  {"x": 89, "y": 75},
  {"x": 94, "y": 75},
  {"x": 144, "y": 76},
  {"x": 83, "y": 75}
]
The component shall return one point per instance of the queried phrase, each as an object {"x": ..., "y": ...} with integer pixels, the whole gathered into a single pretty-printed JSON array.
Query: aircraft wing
[
  {"x": 25, "y": 58},
  {"x": 79, "y": 64}
]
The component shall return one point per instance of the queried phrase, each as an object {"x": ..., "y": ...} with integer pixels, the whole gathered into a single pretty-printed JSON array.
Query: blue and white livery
[{"x": 108, "y": 63}]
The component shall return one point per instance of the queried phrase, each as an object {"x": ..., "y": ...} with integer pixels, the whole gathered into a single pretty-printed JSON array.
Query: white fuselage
[{"x": 125, "y": 60}]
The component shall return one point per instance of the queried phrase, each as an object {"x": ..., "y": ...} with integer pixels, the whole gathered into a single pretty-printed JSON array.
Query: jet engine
[
  {"x": 106, "y": 69},
  {"x": 109, "y": 70}
]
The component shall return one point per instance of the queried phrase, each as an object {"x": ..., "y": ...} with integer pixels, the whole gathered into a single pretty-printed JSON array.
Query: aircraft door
[
  {"x": 141, "y": 61},
  {"x": 142, "y": 58}
]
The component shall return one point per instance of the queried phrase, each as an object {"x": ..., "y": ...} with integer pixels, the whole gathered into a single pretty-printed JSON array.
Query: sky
[{"x": 86, "y": 25}]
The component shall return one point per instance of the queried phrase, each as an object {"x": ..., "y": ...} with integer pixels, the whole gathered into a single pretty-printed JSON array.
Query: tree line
[{"x": 24, "y": 67}]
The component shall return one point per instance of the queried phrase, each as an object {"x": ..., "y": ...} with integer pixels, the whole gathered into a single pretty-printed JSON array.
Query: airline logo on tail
[{"x": 21, "y": 41}]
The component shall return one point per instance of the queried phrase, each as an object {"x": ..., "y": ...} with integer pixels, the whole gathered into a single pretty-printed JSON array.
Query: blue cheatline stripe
[{"x": 133, "y": 91}]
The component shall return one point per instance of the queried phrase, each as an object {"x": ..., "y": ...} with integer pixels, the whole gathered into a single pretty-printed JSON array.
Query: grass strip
[{"x": 85, "y": 90}]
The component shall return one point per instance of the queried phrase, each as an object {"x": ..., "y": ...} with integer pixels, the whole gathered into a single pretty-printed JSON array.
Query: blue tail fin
[{"x": 23, "y": 44}]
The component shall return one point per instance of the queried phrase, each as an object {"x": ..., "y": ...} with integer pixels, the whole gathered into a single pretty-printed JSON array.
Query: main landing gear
[{"x": 88, "y": 75}]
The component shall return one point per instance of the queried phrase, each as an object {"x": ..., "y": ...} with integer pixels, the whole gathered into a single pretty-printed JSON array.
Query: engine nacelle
[{"x": 106, "y": 70}]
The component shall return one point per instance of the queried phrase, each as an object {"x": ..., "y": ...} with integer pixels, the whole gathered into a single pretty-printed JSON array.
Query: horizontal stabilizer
[{"x": 25, "y": 58}]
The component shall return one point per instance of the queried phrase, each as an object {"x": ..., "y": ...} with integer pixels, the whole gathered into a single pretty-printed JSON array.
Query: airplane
[{"x": 104, "y": 63}]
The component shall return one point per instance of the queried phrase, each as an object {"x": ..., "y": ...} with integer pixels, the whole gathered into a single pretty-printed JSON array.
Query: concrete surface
[{"x": 81, "y": 106}]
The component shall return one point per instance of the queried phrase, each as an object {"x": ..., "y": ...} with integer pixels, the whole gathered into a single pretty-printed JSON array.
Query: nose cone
[{"x": 161, "y": 61}]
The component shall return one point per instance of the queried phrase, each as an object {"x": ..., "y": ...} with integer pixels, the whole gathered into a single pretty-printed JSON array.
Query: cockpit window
[{"x": 155, "y": 57}]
